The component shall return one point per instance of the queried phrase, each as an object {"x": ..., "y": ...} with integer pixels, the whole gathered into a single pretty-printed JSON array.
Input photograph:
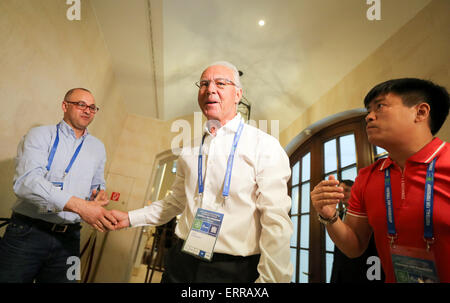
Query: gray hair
[{"x": 236, "y": 79}]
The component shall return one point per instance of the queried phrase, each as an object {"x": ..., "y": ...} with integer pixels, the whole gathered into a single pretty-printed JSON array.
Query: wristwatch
[{"x": 327, "y": 221}]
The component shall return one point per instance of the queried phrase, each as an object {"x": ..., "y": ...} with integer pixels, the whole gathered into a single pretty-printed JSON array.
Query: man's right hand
[
  {"x": 92, "y": 213},
  {"x": 122, "y": 218},
  {"x": 325, "y": 196}
]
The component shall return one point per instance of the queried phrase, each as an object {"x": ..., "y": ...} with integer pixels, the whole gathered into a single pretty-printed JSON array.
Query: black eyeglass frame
[{"x": 82, "y": 105}]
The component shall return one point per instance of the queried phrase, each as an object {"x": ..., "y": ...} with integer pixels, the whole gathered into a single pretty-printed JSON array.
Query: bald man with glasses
[{"x": 59, "y": 181}]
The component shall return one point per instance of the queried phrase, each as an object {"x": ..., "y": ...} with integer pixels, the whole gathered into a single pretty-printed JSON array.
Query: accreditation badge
[
  {"x": 56, "y": 178},
  {"x": 59, "y": 185},
  {"x": 414, "y": 265},
  {"x": 203, "y": 234}
]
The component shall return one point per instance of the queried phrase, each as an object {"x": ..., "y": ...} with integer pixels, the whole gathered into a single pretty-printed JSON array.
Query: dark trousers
[
  {"x": 31, "y": 252},
  {"x": 346, "y": 270},
  {"x": 181, "y": 267}
]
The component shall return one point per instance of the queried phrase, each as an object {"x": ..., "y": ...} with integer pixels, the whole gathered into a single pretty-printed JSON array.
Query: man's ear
[
  {"x": 238, "y": 96},
  {"x": 64, "y": 106},
  {"x": 423, "y": 112}
]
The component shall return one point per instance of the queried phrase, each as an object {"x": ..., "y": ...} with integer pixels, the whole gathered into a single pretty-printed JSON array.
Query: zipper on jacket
[{"x": 403, "y": 185}]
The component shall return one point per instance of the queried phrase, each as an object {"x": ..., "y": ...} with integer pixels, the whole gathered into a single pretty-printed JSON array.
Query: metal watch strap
[{"x": 331, "y": 220}]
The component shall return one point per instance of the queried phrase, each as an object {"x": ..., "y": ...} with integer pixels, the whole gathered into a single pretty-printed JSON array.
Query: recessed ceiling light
[{"x": 261, "y": 22}]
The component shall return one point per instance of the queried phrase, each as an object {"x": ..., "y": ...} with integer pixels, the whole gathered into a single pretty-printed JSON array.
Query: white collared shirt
[{"x": 256, "y": 214}]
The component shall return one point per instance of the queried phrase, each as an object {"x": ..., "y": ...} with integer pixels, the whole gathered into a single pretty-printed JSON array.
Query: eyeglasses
[
  {"x": 219, "y": 82},
  {"x": 82, "y": 105}
]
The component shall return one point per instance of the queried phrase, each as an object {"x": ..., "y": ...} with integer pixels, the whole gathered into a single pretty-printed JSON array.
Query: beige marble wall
[
  {"x": 141, "y": 140},
  {"x": 419, "y": 49},
  {"x": 42, "y": 55}
]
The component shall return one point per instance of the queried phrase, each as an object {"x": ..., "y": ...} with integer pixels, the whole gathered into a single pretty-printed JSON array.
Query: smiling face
[
  {"x": 389, "y": 121},
  {"x": 219, "y": 103},
  {"x": 77, "y": 118}
]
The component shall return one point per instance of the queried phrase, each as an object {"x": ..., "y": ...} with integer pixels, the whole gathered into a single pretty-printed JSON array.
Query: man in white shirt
[{"x": 241, "y": 193}]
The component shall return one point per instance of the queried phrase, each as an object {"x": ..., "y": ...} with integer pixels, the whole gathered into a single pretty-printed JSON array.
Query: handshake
[{"x": 94, "y": 213}]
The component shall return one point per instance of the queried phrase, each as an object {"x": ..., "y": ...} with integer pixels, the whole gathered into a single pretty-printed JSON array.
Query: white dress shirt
[{"x": 256, "y": 213}]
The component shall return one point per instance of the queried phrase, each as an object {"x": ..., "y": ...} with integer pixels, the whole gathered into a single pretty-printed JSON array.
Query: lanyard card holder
[
  {"x": 59, "y": 184},
  {"x": 56, "y": 178},
  {"x": 203, "y": 234},
  {"x": 414, "y": 265}
]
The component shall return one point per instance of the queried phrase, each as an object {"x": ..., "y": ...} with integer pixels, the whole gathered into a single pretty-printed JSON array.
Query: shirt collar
[
  {"x": 425, "y": 155},
  {"x": 68, "y": 131},
  {"x": 231, "y": 125}
]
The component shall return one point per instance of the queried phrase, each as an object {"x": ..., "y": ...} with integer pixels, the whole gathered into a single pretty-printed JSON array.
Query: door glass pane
[
  {"x": 294, "y": 262},
  {"x": 294, "y": 220},
  {"x": 158, "y": 180},
  {"x": 295, "y": 173},
  {"x": 294, "y": 199},
  {"x": 330, "y": 156},
  {"x": 304, "y": 268},
  {"x": 329, "y": 265},
  {"x": 379, "y": 150},
  {"x": 306, "y": 167},
  {"x": 304, "y": 231},
  {"x": 347, "y": 150},
  {"x": 329, "y": 244},
  {"x": 349, "y": 174},
  {"x": 305, "y": 197}
]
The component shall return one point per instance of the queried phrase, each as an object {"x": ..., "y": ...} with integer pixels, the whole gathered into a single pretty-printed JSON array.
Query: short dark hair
[
  {"x": 414, "y": 91},
  {"x": 348, "y": 182},
  {"x": 69, "y": 93}
]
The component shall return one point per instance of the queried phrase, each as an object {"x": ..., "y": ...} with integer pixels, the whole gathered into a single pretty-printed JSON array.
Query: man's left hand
[{"x": 100, "y": 199}]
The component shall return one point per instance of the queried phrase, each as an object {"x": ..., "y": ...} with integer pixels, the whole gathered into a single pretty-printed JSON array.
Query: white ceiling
[{"x": 305, "y": 48}]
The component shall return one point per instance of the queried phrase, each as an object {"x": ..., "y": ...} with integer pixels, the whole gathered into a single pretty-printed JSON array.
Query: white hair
[{"x": 236, "y": 79}]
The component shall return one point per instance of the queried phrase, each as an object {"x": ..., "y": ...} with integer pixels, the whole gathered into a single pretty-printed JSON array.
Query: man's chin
[
  {"x": 211, "y": 115},
  {"x": 83, "y": 126},
  {"x": 373, "y": 139}
]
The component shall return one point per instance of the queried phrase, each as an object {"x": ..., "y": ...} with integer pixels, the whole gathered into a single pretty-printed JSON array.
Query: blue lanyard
[
  {"x": 226, "y": 186},
  {"x": 53, "y": 151},
  {"x": 428, "y": 204},
  {"x": 428, "y": 201}
]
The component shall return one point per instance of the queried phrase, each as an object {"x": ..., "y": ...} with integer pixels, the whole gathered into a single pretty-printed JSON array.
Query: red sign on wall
[{"x": 115, "y": 196}]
